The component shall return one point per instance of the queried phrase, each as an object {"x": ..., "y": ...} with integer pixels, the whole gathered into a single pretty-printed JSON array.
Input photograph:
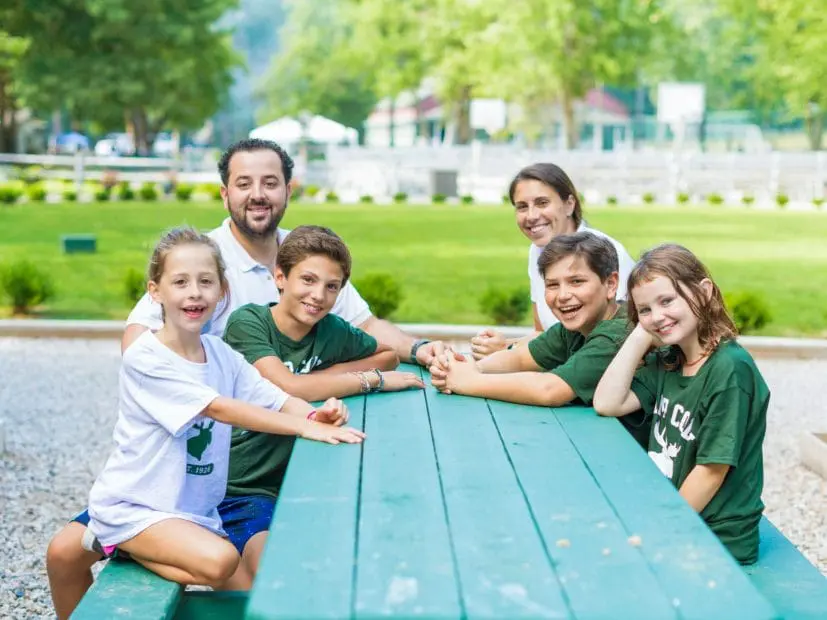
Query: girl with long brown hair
[{"x": 707, "y": 399}]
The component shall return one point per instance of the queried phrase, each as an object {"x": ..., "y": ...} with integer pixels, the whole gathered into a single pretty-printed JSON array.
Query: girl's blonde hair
[
  {"x": 683, "y": 269},
  {"x": 177, "y": 237}
]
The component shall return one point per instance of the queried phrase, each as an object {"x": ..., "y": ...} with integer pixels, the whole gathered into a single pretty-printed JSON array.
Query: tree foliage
[{"x": 150, "y": 65}]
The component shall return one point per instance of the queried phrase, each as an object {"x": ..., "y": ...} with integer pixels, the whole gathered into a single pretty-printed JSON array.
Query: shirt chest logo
[
  {"x": 197, "y": 445},
  {"x": 305, "y": 367},
  {"x": 665, "y": 459}
]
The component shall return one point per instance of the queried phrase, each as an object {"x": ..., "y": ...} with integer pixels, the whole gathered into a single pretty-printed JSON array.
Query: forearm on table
[
  {"x": 527, "y": 388},
  {"x": 254, "y": 418}
]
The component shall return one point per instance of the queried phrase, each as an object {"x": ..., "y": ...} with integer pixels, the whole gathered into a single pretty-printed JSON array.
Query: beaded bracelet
[
  {"x": 363, "y": 382},
  {"x": 381, "y": 383}
]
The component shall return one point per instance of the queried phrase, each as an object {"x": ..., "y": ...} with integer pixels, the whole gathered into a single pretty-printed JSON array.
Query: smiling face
[
  {"x": 541, "y": 213},
  {"x": 309, "y": 291},
  {"x": 189, "y": 287},
  {"x": 665, "y": 314},
  {"x": 256, "y": 195},
  {"x": 576, "y": 295}
]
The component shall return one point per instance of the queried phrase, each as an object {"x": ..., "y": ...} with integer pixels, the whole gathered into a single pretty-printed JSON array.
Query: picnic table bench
[{"x": 461, "y": 507}]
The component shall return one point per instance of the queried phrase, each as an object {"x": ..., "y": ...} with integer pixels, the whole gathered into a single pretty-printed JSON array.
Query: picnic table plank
[
  {"x": 125, "y": 589},
  {"x": 307, "y": 566},
  {"x": 600, "y": 572},
  {"x": 404, "y": 561},
  {"x": 504, "y": 570},
  {"x": 694, "y": 569}
]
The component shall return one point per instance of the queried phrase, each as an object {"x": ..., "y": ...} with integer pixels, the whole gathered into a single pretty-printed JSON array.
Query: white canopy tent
[{"x": 287, "y": 130}]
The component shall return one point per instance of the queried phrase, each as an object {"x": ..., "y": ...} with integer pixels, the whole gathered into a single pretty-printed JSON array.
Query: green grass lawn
[{"x": 444, "y": 256}]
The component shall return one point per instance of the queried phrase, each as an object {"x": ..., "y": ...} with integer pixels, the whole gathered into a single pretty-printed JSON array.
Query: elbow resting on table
[
  {"x": 605, "y": 407},
  {"x": 386, "y": 359}
]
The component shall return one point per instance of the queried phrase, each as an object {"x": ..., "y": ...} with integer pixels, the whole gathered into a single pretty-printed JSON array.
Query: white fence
[{"x": 484, "y": 171}]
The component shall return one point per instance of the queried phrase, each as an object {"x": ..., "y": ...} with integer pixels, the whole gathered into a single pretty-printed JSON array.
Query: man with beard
[{"x": 255, "y": 178}]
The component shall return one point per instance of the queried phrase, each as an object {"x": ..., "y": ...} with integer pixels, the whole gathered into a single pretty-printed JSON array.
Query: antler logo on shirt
[
  {"x": 665, "y": 459},
  {"x": 197, "y": 444}
]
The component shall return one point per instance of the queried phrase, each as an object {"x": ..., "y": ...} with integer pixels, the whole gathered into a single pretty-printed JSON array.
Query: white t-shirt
[
  {"x": 538, "y": 285},
  {"x": 169, "y": 461},
  {"x": 250, "y": 283}
]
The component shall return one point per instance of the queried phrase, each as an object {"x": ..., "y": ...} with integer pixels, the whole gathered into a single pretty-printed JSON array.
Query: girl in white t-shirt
[
  {"x": 181, "y": 392},
  {"x": 546, "y": 205}
]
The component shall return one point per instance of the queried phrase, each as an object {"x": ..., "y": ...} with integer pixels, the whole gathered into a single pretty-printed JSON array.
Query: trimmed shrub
[
  {"x": 331, "y": 196},
  {"x": 648, "y": 198},
  {"x": 69, "y": 195},
  {"x": 506, "y": 307},
  {"x": 134, "y": 285},
  {"x": 506, "y": 199},
  {"x": 25, "y": 285},
  {"x": 715, "y": 199},
  {"x": 183, "y": 191},
  {"x": 30, "y": 175},
  {"x": 683, "y": 198},
  {"x": 367, "y": 199},
  {"x": 467, "y": 199},
  {"x": 125, "y": 192},
  {"x": 148, "y": 191},
  {"x": 400, "y": 197},
  {"x": 749, "y": 310},
  {"x": 103, "y": 194},
  {"x": 747, "y": 200},
  {"x": 36, "y": 192},
  {"x": 10, "y": 193},
  {"x": 611, "y": 201},
  {"x": 818, "y": 202},
  {"x": 781, "y": 200},
  {"x": 311, "y": 190},
  {"x": 382, "y": 292},
  {"x": 438, "y": 198}
]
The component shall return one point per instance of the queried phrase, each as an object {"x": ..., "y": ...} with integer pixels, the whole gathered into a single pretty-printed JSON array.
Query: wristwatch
[{"x": 415, "y": 348}]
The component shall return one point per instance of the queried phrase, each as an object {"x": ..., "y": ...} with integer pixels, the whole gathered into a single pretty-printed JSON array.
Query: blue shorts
[
  {"x": 242, "y": 517},
  {"x": 245, "y": 516}
]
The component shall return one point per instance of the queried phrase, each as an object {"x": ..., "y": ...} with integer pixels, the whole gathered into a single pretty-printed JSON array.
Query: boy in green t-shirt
[
  {"x": 305, "y": 350},
  {"x": 581, "y": 278},
  {"x": 708, "y": 399}
]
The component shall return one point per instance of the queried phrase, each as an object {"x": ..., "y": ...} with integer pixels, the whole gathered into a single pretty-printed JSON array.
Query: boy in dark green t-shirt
[
  {"x": 580, "y": 273},
  {"x": 304, "y": 349}
]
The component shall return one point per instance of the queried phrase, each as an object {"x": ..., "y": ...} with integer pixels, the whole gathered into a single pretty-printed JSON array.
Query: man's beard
[{"x": 240, "y": 221}]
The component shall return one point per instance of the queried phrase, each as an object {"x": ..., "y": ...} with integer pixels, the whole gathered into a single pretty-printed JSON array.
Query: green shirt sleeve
[
  {"x": 645, "y": 383},
  {"x": 722, "y": 430},
  {"x": 351, "y": 342},
  {"x": 247, "y": 333},
  {"x": 549, "y": 349},
  {"x": 583, "y": 370}
]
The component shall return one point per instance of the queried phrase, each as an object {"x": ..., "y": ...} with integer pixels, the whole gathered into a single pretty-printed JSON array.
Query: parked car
[{"x": 115, "y": 144}]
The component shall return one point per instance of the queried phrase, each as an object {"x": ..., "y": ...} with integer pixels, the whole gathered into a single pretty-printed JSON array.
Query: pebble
[{"x": 58, "y": 402}]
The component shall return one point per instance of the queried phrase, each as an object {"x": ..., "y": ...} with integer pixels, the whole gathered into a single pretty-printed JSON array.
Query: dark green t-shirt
[
  {"x": 717, "y": 416},
  {"x": 258, "y": 460},
  {"x": 581, "y": 360}
]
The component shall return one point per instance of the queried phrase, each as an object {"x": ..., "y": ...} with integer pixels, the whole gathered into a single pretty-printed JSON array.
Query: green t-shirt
[
  {"x": 258, "y": 460},
  {"x": 717, "y": 416},
  {"x": 581, "y": 360}
]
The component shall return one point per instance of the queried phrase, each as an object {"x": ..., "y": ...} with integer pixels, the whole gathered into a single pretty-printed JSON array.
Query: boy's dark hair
[
  {"x": 248, "y": 145},
  {"x": 598, "y": 252},
  {"x": 556, "y": 178},
  {"x": 306, "y": 241}
]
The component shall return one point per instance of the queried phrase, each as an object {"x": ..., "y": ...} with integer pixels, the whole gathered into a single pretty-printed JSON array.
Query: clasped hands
[{"x": 452, "y": 372}]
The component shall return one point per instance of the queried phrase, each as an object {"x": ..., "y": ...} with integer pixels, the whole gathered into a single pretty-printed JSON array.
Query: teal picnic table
[{"x": 462, "y": 507}]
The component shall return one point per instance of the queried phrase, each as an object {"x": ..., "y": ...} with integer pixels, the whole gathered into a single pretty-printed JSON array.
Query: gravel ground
[{"x": 58, "y": 403}]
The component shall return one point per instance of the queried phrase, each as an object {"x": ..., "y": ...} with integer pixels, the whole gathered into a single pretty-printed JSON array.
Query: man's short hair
[{"x": 249, "y": 145}]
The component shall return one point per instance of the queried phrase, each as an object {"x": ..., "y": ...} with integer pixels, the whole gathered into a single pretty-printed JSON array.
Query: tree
[
  {"x": 149, "y": 65},
  {"x": 555, "y": 51},
  {"x": 789, "y": 47},
  {"x": 316, "y": 71},
  {"x": 11, "y": 51}
]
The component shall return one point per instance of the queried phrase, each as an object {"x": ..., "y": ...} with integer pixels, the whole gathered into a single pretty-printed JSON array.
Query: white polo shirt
[
  {"x": 249, "y": 282},
  {"x": 538, "y": 284}
]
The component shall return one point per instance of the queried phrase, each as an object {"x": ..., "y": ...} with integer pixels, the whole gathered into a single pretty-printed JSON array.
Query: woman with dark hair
[{"x": 546, "y": 205}]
